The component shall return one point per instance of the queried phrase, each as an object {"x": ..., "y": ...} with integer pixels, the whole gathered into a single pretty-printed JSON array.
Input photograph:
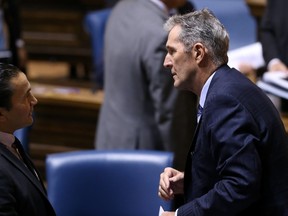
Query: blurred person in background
[
  {"x": 12, "y": 46},
  {"x": 141, "y": 109},
  {"x": 274, "y": 35},
  {"x": 274, "y": 39}
]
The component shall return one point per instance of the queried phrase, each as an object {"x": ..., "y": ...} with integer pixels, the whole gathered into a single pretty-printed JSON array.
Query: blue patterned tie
[{"x": 199, "y": 112}]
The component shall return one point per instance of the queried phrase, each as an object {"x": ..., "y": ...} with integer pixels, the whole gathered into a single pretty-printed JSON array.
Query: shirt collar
[
  {"x": 160, "y": 4},
  {"x": 6, "y": 138},
  {"x": 205, "y": 90},
  {"x": 163, "y": 7}
]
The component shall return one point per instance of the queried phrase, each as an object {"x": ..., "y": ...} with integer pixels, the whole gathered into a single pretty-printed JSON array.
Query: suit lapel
[
  {"x": 38, "y": 177},
  {"x": 192, "y": 146},
  {"x": 22, "y": 168},
  {"x": 188, "y": 167}
]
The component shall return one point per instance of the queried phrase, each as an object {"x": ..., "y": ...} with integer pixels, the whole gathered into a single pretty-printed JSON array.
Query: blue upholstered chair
[
  {"x": 236, "y": 17},
  {"x": 22, "y": 135},
  {"x": 106, "y": 183},
  {"x": 94, "y": 24}
]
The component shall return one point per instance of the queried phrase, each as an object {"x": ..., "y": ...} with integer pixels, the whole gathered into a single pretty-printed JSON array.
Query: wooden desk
[
  {"x": 65, "y": 120},
  {"x": 67, "y": 96}
]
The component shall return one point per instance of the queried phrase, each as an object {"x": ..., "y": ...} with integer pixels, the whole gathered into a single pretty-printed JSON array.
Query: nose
[
  {"x": 167, "y": 61},
  {"x": 34, "y": 100}
]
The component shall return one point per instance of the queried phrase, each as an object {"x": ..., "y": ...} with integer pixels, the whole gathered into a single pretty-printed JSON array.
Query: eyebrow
[
  {"x": 169, "y": 48},
  {"x": 28, "y": 90}
]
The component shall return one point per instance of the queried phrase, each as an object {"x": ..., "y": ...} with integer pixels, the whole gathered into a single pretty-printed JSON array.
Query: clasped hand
[{"x": 171, "y": 183}]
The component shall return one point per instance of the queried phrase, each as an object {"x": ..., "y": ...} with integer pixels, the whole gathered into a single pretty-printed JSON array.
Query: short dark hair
[{"x": 7, "y": 72}]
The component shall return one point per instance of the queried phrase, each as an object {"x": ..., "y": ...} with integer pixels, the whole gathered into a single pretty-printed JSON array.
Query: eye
[
  {"x": 171, "y": 51},
  {"x": 29, "y": 94}
]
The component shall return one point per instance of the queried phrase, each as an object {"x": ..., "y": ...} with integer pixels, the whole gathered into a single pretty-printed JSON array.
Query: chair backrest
[
  {"x": 22, "y": 135},
  {"x": 106, "y": 183},
  {"x": 94, "y": 24},
  {"x": 236, "y": 17}
]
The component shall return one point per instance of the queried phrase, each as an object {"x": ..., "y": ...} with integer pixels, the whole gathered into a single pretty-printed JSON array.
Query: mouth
[{"x": 173, "y": 74}]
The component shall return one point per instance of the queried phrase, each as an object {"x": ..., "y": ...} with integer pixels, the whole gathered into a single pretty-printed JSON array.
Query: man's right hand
[{"x": 171, "y": 183}]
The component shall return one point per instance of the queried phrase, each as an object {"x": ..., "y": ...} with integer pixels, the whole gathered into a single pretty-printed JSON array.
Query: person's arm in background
[
  {"x": 269, "y": 43},
  {"x": 160, "y": 87}
]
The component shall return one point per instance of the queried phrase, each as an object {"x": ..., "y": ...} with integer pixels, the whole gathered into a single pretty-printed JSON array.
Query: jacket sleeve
[{"x": 160, "y": 86}]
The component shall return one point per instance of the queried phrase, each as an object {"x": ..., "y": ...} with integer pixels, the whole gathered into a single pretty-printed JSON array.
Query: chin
[
  {"x": 29, "y": 122},
  {"x": 177, "y": 84},
  {"x": 180, "y": 86}
]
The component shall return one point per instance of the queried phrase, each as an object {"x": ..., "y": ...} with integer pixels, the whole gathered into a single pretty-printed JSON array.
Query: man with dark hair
[{"x": 21, "y": 189}]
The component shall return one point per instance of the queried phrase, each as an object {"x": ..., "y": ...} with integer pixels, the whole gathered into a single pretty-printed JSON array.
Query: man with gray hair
[{"x": 238, "y": 160}]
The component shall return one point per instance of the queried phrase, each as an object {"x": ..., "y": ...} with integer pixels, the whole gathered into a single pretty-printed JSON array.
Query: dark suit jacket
[
  {"x": 274, "y": 34},
  {"x": 141, "y": 108},
  {"x": 274, "y": 31},
  {"x": 238, "y": 162},
  {"x": 21, "y": 194}
]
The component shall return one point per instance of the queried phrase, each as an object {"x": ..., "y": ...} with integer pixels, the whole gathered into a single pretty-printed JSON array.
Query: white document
[
  {"x": 278, "y": 78},
  {"x": 250, "y": 54},
  {"x": 267, "y": 87},
  {"x": 275, "y": 83},
  {"x": 161, "y": 210}
]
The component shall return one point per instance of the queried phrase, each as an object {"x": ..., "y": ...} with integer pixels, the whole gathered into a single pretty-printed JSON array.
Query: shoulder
[{"x": 230, "y": 80}]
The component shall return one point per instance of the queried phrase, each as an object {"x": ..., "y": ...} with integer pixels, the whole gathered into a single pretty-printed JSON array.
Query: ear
[{"x": 199, "y": 52}]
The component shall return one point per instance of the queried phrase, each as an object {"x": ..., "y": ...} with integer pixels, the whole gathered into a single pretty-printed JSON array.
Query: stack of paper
[
  {"x": 275, "y": 83},
  {"x": 161, "y": 210}
]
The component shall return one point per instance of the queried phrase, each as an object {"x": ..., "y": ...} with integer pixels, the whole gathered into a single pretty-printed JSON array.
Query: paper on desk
[
  {"x": 275, "y": 83},
  {"x": 161, "y": 210},
  {"x": 250, "y": 54}
]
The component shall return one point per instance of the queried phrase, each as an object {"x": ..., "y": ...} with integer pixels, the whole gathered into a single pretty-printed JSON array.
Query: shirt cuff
[{"x": 176, "y": 212}]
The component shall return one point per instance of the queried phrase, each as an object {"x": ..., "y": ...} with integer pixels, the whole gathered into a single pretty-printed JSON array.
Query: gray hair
[{"x": 202, "y": 26}]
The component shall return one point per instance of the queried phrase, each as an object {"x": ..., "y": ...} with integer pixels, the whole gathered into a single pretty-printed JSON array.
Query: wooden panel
[
  {"x": 65, "y": 120},
  {"x": 54, "y": 29}
]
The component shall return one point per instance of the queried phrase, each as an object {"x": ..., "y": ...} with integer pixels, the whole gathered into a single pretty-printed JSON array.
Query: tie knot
[
  {"x": 17, "y": 144},
  {"x": 199, "y": 112},
  {"x": 16, "y": 149}
]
